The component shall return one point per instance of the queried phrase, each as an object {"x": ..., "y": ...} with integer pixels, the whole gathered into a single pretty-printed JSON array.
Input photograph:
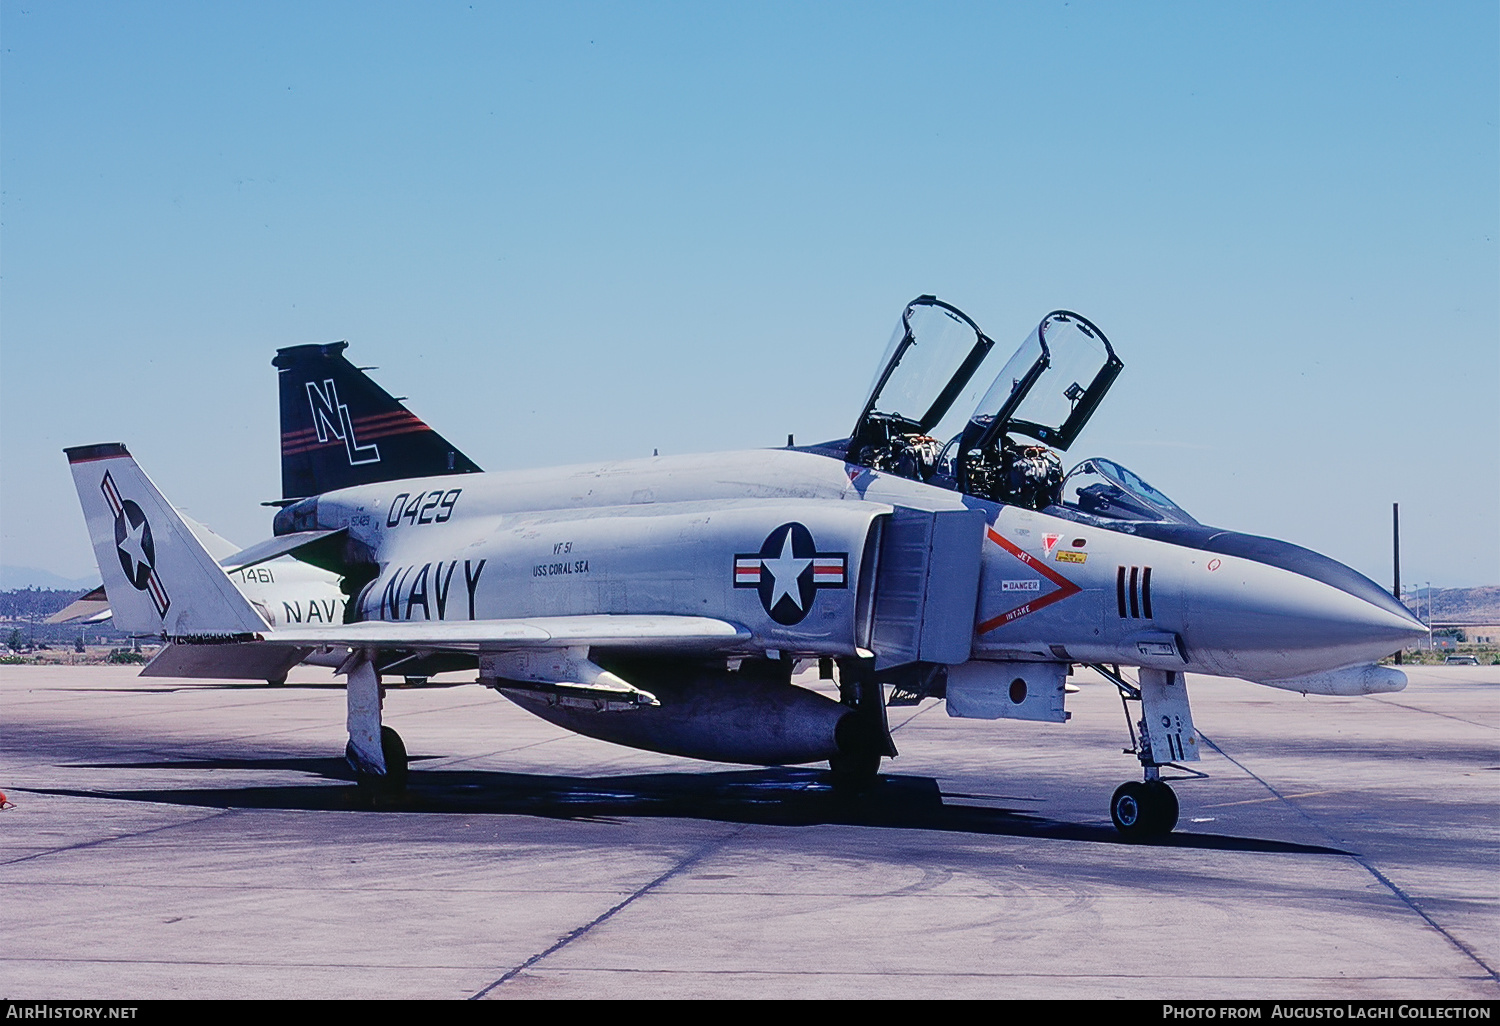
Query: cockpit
[
  {"x": 1008, "y": 450},
  {"x": 1103, "y": 488}
]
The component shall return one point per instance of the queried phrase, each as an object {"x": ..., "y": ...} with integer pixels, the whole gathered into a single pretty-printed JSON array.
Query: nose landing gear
[
  {"x": 1145, "y": 809},
  {"x": 863, "y": 734}
]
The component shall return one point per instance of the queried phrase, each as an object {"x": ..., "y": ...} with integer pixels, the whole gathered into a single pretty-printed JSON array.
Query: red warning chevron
[{"x": 1065, "y": 587}]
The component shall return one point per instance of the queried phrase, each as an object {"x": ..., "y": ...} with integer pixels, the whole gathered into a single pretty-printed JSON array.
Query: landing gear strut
[
  {"x": 1143, "y": 809},
  {"x": 376, "y": 753},
  {"x": 863, "y": 735}
]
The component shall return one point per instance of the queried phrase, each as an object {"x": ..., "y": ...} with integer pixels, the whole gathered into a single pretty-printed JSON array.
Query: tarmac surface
[{"x": 176, "y": 840}]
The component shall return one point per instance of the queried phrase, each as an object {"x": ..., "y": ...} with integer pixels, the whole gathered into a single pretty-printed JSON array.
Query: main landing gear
[
  {"x": 1145, "y": 809},
  {"x": 863, "y": 735},
  {"x": 376, "y": 753},
  {"x": 393, "y": 751}
]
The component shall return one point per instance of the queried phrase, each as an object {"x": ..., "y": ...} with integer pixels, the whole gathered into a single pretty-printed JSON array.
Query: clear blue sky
[{"x": 581, "y": 231}]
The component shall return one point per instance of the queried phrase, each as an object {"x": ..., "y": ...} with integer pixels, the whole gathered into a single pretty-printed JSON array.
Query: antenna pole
[{"x": 1396, "y": 556}]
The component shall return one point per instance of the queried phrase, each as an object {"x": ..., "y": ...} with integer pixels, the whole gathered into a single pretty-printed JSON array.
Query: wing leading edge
[
  {"x": 685, "y": 633},
  {"x": 275, "y": 652}
]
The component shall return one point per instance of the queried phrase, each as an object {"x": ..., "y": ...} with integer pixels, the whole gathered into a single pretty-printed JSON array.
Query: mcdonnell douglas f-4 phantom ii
[{"x": 663, "y": 603}]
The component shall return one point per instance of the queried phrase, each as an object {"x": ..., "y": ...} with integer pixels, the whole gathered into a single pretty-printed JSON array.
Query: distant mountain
[
  {"x": 1461, "y": 605},
  {"x": 13, "y": 577}
]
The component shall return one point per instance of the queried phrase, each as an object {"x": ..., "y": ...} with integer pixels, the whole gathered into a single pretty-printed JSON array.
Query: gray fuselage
[{"x": 685, "y": 535}]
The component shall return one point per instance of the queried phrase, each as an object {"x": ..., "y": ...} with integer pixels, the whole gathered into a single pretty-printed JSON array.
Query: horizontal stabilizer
[
  {"x": 272, "y": 548},
  {"x": 217, "y": 546},
  {"x": 249, "y": 661}
]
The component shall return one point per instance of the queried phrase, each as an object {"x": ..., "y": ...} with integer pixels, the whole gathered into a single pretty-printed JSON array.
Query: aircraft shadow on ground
[{"x": 777, "y": 796}]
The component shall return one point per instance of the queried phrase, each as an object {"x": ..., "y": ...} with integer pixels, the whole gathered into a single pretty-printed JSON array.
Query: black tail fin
[{"x": 339, "y": 428}]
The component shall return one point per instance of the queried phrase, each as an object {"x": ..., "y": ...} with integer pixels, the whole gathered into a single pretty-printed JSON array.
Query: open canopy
[
  {"x": 1050, "y": 387},
  {"x": 1047, "y": 391},
  {"x": 934, "y": 352}
]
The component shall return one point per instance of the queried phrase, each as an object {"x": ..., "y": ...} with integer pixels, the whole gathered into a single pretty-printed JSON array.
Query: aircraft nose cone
[
  {"x": 1382, "y": 625},
  {"x": 1351, "y": 625},
  {"x": 1264, "y": 621}
]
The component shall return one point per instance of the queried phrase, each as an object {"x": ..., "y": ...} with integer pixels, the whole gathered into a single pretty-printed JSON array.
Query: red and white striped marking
[{"x": 832, "y": 570}]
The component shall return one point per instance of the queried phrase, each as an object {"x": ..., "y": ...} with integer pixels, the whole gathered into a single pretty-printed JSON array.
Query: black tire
[
  {"x": 853, "y": 773},
  {"x": 1130, "y": 808},
  {"x": 1163, "y": 807},
  {"x": 394, "y": 751}
]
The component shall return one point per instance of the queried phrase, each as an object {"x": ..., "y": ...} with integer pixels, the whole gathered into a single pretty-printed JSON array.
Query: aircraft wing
[
  {"x": 278, "y": 651},
  {"x": 689, "y": 633},
  {"x": 90, "y": 608}
]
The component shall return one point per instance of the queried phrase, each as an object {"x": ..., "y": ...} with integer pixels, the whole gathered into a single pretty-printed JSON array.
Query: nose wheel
[
  {"x": 1162, "y": 737},
  {"x": 1144, "y": 808}
]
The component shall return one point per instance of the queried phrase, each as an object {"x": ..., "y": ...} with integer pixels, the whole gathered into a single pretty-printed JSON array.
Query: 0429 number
[{"x": 423, "y": 508}]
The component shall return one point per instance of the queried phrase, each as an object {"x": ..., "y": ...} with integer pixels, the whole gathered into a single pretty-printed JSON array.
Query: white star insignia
[
  {"x": 134, "y": 546},
  {"x": 785, "y": 569}
]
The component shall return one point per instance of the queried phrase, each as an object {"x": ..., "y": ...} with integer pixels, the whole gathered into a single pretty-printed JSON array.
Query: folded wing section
[{"x": 158, "y": 575}]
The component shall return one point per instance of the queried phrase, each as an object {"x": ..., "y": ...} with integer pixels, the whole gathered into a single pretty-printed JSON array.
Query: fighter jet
[{"x": 663, "y": 603}]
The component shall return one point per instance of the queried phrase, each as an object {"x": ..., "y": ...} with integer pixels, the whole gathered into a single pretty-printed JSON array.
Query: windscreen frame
[
  {"x": 1062, "y": 436},
  {"x": 950, "y": 392}
]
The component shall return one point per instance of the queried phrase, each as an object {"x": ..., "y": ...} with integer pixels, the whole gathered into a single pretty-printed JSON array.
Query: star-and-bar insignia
[
  {"x": 134, "y": 545},
  {"x": 788, "y": 571},
  {"x": 830, "y": 571}
]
